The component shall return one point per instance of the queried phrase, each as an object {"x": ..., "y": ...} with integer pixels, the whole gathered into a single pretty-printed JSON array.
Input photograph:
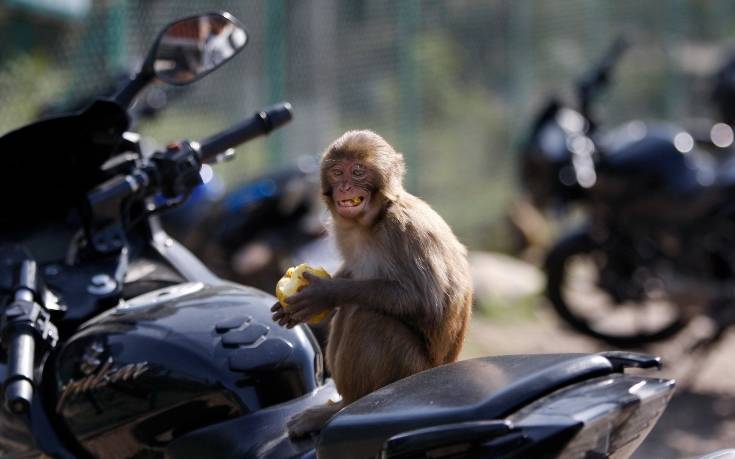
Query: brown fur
[{"x": 404, "y": 296}]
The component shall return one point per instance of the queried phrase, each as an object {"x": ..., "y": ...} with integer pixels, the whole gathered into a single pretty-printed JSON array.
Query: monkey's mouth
[{"x": 352, "y": 202}]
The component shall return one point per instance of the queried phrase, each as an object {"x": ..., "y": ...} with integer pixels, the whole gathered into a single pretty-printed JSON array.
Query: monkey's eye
[
  {"x": 336, "y": 172},
  {"x": 358, "y": 171}
]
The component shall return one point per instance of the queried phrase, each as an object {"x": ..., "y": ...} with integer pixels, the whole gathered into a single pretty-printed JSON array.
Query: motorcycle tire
[{"x": 557, "y": 267}]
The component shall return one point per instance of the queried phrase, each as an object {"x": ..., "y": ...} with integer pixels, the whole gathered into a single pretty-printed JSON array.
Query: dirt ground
[{"x": 701, "y": 416}]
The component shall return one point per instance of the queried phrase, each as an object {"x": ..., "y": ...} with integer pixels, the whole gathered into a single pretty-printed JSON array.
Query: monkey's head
[{"x": 361, "y": 173}]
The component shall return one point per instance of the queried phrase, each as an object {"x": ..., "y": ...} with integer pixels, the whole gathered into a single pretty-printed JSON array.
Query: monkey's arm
[
  {"x": 385, "y": 296},
  {"x": 342, "y": 273}
]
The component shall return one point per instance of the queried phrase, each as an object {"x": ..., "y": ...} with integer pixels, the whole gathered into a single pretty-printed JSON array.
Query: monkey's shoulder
[
  {"x": 418, "y": 221},
  {"x": 414, "y": 211}
]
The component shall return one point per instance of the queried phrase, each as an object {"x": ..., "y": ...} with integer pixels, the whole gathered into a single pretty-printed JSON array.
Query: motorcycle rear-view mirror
[
  {"x": 186, "y": 50},
  {"x": 190, "y": 48}
]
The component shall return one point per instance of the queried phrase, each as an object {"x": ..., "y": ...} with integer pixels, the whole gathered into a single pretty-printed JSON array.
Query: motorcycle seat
[{"x": 478, "y": 389}]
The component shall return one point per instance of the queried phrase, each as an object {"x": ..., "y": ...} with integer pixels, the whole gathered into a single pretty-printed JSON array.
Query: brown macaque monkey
[{"x": 402, "y": 298}]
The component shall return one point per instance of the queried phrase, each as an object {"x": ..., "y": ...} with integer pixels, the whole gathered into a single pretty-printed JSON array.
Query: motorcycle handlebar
[
  {"x": 260, "y": 124},
  {"x": 21, "y": 352},
  {"x": 599, "y": 76},
  {"x": 598, "y": 79},
  {"x": 172, "y": 171},
  {"x": 19, "y": 385}
]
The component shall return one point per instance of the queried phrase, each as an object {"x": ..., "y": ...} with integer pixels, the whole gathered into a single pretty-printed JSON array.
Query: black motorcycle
[
  {"x": 119, "y": 343},
  {"x": 254, "y": 231},
  {"x": 656, "y": 245}
]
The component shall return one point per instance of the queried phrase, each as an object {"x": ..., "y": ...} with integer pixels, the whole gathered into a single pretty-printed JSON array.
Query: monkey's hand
[{"x": 319, "y": 295}]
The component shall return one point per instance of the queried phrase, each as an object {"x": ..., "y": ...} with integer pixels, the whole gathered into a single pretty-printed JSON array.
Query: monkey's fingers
[
  {"x": 284, "y": 320},
  {"x": 276, "y": 307},
  {"x": 303, "y": 315},
  {"x": 294, "y": 299},
  {"x": 298, "y": 302},
  {"x": 311, "y": 277}
]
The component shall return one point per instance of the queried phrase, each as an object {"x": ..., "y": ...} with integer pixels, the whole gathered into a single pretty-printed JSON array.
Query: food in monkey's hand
[{"x": 294, "y": 281}]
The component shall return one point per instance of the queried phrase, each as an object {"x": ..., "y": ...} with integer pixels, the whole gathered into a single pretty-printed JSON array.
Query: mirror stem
[{"x": 127, "y": 94}]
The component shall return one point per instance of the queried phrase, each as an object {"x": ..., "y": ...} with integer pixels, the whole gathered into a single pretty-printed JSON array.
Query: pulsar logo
[{"x": 104, "y": 376}]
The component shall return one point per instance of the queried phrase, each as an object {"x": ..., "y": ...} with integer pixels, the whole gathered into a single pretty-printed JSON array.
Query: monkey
[{"x": 402, "y": 298}]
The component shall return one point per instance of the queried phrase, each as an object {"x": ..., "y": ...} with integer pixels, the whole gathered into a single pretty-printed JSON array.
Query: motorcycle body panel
[
  {"x": 608, "y": 416},
  {"x": 258, "y": 435},
  {"x": 177, "y": 359},
  {"x": 648, "y": 153},
  {"x": 72, "y": 148},
  {"x": 533, "y": 405},
  {"x": 647, "y": 181},
  {"x": 499, "y": 389},
  {"x": 546, "y": 165}
]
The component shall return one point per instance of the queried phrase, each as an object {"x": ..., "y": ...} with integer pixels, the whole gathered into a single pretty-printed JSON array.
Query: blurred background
[{"x": 454, "y": 85}]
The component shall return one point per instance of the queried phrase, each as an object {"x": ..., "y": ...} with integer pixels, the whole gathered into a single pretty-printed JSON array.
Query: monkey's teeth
[{"x": 351, "y": 202}]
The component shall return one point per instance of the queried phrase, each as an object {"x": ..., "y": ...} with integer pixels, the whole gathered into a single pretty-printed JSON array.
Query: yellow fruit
[{"x": 293, "y": 281}]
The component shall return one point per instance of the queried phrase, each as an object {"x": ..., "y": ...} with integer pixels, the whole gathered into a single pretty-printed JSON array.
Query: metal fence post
[
  {"x": 677, "y": 28},
  {"x": 275, "y": 70},
  {"x": 409, "y": 98},
  {"x": 116, "y": 32},
  {"x": 520, "y": 51}
]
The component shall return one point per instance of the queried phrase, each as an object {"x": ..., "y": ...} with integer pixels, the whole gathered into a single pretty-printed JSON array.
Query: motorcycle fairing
[
  {"x": 175, "y": 360},
  {"x": 256, "y": 435},
  {"x": 49, "y": 165}
]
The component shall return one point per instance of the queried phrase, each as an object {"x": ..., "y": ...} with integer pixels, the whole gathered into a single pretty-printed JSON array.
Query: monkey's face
[{"x": 350, "y": 182}]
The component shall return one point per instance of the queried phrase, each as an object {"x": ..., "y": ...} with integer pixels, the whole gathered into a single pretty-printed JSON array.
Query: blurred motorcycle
[
  {"x": 657, "y": 246},
  {"x": 251, "y": 233}
]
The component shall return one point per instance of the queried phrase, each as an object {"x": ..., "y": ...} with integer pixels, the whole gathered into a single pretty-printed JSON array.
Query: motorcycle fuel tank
[
  {"x": 654, "y": 154},
  {"x": 175, "y": 360}
]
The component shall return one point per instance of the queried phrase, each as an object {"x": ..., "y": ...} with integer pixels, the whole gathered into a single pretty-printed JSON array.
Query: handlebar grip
[
  {"x": 19, "y": 382},
  {"x": 260, "y": 124}
]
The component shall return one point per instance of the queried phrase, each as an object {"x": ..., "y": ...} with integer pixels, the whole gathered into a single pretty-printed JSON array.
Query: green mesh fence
[{"x": 452, "y": 84}]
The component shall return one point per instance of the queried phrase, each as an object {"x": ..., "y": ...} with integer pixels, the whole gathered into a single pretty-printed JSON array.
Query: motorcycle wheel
[{"x": 572, "y": 269}]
